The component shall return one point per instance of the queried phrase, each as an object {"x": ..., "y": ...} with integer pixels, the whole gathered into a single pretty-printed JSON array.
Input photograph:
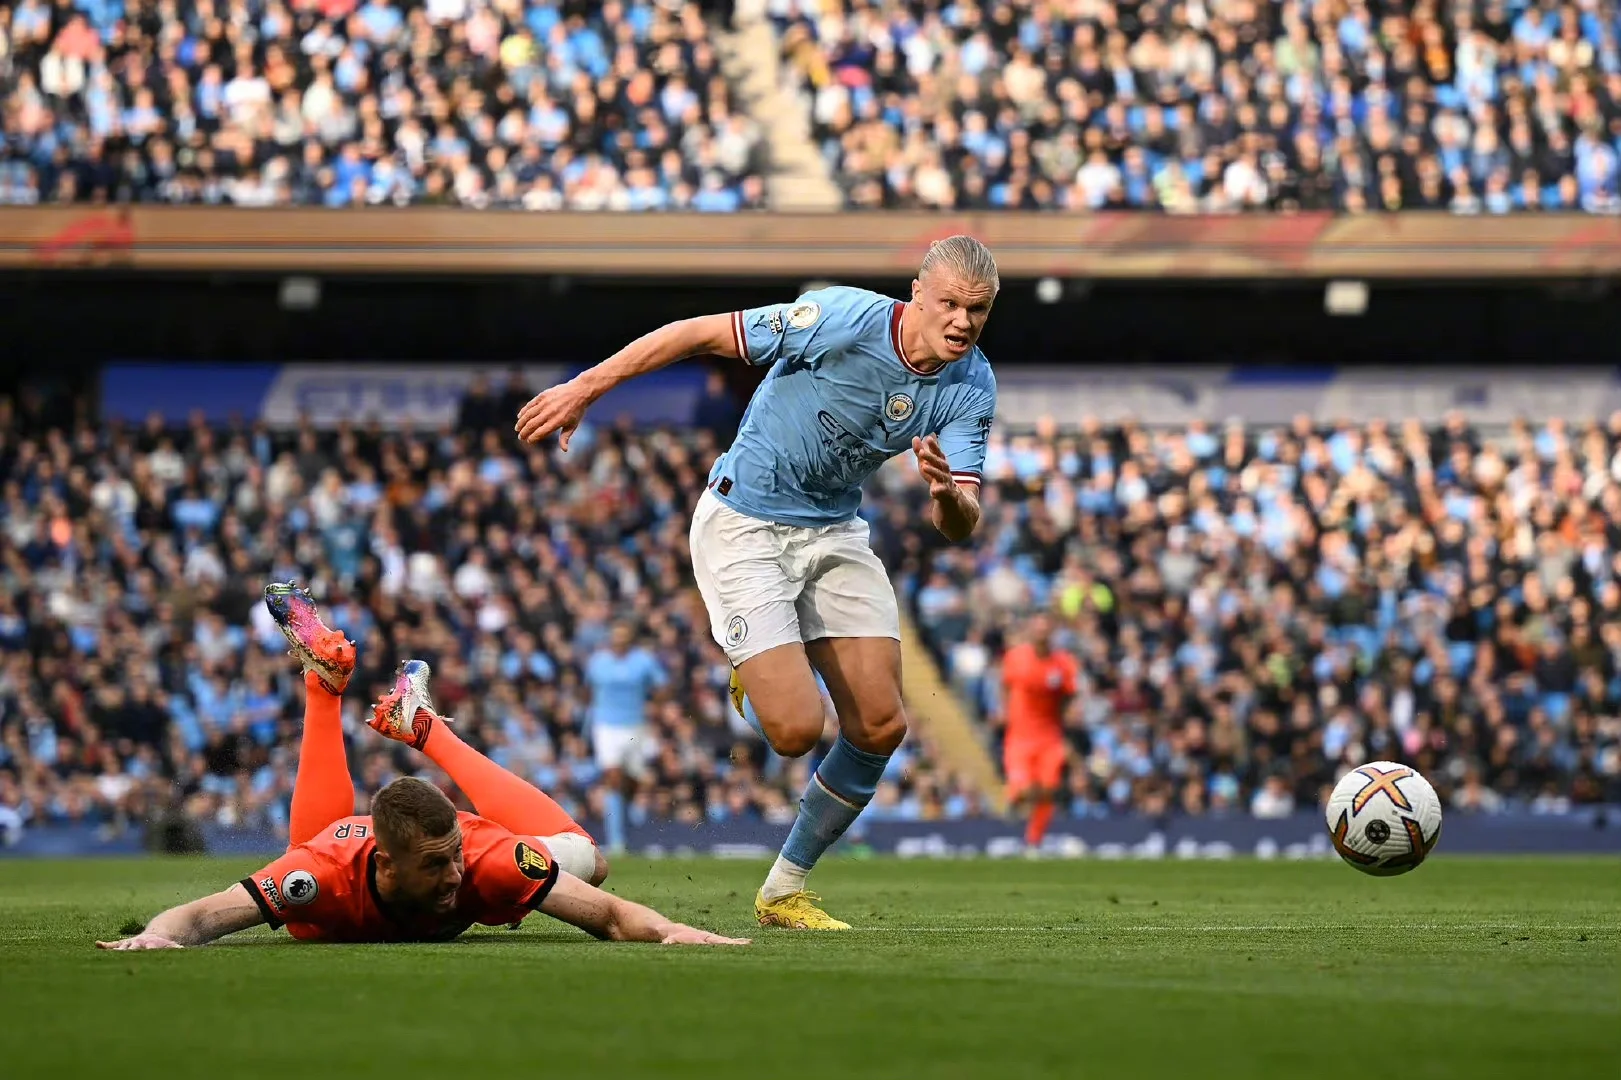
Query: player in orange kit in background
[{"x": 1037, "y": 683}]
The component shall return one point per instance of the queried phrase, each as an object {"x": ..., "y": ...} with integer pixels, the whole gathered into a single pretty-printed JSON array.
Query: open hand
[
  {"x": 932, "y": 466},
  {"x": 558, "y": 409},
  {"x": 140, "y": 941},
  {"x": 687, "y": 935}
]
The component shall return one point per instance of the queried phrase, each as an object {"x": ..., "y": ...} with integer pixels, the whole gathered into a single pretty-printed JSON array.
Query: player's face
[
  {"x": 429, "y": 876},
  {"x": 953, "y": 312},
  {"x": 1041, "y": 633}
]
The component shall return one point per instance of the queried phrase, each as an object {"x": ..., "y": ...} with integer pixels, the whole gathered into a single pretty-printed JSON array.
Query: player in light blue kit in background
[
  {"x": 621, "y": 678},
  {"x": 783, "y": 562}
]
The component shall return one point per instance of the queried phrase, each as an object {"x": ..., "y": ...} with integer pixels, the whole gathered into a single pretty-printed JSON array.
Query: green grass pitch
[{"x": 1467, "y": 968}]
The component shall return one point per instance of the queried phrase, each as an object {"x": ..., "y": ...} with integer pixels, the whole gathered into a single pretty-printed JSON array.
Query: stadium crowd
[
  {"x": 1254, "y": 611},
  {"x": 538, "y": 104},
  {"x": 141, "y": 677},
  {"x": 1213, "y": 105}
]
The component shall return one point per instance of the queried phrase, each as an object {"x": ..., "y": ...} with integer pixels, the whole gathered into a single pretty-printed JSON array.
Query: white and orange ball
[{"x": 1383, "y": 818}]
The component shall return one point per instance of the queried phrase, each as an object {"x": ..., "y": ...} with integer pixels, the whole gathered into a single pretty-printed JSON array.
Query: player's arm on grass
[
  {"x": 611, "y": 918},
  {"x": 559, "y": 409},
  {"x": 197, "y": 923}
]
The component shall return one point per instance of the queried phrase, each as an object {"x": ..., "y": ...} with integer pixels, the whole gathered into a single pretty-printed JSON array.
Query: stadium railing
[{"x": 1123, "y": 246}]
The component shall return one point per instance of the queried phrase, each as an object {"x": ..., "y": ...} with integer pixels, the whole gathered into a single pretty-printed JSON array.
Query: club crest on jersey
[
  {"x": 898, "y": 407},
  {"x": 804, "y": 316},
  {"x": 300, "y": 888}
]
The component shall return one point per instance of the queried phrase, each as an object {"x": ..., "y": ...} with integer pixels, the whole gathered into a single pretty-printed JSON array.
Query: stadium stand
[
  {"x": 139, "y": 673},
  {"x": 1212, "y": 105},
  {"x": 1254, "y": 610},
  {"x": 1251, "y": 609},
  {"x": 537, "y": 104}
]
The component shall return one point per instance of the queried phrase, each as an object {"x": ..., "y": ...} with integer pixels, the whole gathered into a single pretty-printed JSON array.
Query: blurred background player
[
  {"x": 621, "y": 677},
  {"x": 1038, "y": 682},
  {"x": 414, "y": 869},
  {"x": 785, "y": 566}
]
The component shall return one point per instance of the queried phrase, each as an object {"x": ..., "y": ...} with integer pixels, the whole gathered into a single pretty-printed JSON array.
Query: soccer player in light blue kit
[{"x": 783, "y": 562}]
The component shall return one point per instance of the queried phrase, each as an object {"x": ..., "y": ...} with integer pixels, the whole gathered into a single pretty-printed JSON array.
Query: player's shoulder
[
  {"x": 858, "y": 310},
  {"x": 475, "y": 825},
  {"x": 482, "y": 837}
]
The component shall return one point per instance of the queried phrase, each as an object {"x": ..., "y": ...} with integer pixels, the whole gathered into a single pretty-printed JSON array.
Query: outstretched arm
[
  {"x": 954, "y": 505},
  {"x": 559, "y": 409},
  {"x": 196, "y": 923},
  {"x": 610, "y": 918}
]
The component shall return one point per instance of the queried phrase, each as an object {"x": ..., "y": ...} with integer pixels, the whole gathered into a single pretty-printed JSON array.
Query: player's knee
[
  {"x": 794, "y": 728},
  {"x": 794, "y": 742},
  {"x": 880, "y": 733},
  {"x": 599, "y": 869}
]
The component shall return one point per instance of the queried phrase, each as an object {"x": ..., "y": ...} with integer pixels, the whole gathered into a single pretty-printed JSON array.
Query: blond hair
[
  {"x": 964, "y": 256},
  {"x": 409, "y": 808}
]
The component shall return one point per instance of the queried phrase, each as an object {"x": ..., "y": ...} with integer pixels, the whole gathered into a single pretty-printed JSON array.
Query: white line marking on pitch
[{"x": 1093, "y": 928}]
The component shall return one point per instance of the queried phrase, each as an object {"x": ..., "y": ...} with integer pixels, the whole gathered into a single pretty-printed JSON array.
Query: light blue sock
[
  {"x": 613, "y": 819},
  {"x": 842, "y": 785},
  {"x": 752, "y": 718}
]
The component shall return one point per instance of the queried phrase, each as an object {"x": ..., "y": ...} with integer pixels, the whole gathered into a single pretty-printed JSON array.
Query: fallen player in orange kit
[{"x": 414, "y": 869}]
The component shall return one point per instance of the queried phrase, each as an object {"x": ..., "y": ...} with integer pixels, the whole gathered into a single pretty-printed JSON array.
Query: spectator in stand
[
  {"x": 1256, "y": 610},
  {"x": 512, "y": 104},
  {"x": 1350, "y": 105},
  {"x": 142, "y": 683}
]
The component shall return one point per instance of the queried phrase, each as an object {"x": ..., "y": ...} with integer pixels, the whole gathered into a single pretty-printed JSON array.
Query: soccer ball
[{"x": 1384, "y": 818}]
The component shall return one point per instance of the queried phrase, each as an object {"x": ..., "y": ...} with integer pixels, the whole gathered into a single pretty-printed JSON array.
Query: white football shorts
[
  {"x": 628, "y": 748},
  {"x": 767, "y": 584}
]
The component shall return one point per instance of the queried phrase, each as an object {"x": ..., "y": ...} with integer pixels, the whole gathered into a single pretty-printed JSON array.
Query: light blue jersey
[
  {"x": 620, "y": 686},
  {"x": 842, "y": 399}
]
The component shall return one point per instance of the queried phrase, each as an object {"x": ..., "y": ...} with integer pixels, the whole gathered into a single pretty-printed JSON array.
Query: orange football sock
[
  {"x": 505, "y": 798},
  {"x": 323, "y": 791},
  {"x": 1040, "y": 818}
]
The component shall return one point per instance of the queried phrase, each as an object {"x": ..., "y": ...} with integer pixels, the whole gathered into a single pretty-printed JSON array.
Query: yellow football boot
[
  {"x": 796, "y": 911},
  {"x": 737, "y": 693}
]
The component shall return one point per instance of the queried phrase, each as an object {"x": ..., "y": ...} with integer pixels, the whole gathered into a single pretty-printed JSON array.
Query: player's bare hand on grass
[
  {"x": 140, "y": 941},
  {"x": 933, "y": 466},
  {"x": 557, "y": 410},
  {"x": 687, "y": 935}
]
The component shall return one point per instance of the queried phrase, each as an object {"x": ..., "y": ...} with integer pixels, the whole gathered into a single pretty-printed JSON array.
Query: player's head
[
  {"x": 1040, "y": 631},
  {"x": 621, "y": 635},
  {"x": 952, "y": 296},
  {"x": 419, "y": 845}
]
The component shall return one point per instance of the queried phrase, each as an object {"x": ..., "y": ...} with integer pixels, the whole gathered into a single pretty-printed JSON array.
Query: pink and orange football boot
[{"x": 317, "y": 646}]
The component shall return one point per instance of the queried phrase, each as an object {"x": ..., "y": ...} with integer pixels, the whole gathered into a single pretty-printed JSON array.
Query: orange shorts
[{"x": 1034, "y": 764}]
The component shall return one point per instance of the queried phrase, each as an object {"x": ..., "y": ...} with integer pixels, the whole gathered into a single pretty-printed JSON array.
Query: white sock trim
[{"x": 785, "y": 879}]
